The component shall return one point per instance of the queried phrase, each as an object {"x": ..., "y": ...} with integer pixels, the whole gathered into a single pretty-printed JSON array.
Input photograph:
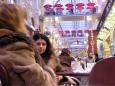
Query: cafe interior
[{"x": 84, "y": 27}]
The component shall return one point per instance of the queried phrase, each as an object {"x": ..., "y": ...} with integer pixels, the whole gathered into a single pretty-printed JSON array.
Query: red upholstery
[
  {"x": 103, "y": 73},
  {"x": 4, "y": 76}
]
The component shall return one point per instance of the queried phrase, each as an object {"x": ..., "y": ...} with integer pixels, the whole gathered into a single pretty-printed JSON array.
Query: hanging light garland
[
  {"x": 58, "y": 5},
  {"x": 69, "y": 6}
]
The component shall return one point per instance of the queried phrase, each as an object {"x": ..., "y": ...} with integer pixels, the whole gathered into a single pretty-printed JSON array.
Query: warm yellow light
[
  {"x": 57, "y": 19},
  {"x": 46, "y": 19},
  {"x": 86, "y": 34},
  {"x": 51, "y": 19},
  {"x": 113, "y": 9},
  {"x": 89, "y": 18}
]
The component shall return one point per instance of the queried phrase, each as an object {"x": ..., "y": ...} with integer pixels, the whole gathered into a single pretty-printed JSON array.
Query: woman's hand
[
  {"x": 70, "y": 80},
  {"x": 59, "y": 77}
]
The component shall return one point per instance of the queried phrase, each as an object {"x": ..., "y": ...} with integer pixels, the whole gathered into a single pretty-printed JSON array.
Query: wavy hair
[{"x": 49, "y": 51}]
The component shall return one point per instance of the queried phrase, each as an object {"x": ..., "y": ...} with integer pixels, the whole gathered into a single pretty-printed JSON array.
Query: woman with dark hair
[
  {"x": 17, "y": 51},
  {"x": 46, "y": 51}
]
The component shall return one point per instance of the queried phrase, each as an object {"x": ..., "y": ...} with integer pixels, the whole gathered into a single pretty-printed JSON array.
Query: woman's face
[{"x": 41, "y": 45}]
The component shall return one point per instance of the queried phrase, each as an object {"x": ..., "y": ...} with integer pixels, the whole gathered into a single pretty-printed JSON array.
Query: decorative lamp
[
  {"x": 59, "y": 9},
  {"x": 79, "y": 4},
  {"x": 73, "y": 31},
  {"x": 80, "y": 8},
  {"x": 69, "y": 8},
  {"x": 47, "y": 6},
  {"x": 67, "y": 31},
  {"x": 61, "y": 32},
  {"x": 90, "y": 5},
  {"x": 69, "y": 5},
  {"x": 58, "y": 5},
  {"x": 79, "y": 33},
  {"x": 86, "y": 31},
  {"x": 48, "y": 9}
]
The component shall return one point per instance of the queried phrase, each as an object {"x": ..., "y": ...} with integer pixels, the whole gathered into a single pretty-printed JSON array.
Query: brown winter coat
[
  {"x": 65, "y": 59},
  {"x": 18, "y": 56}
]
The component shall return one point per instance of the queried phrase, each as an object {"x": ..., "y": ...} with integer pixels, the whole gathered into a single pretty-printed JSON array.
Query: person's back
[
  {"x": 17, "y": 51},
  {"x": 65, "y": 58},
  {"x": 97, "y": 58}
]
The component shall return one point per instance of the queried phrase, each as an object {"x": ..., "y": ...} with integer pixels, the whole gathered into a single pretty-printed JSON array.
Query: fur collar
[
  {"x": 8, "y": 37},
  {"x": 4, "y": 32}
]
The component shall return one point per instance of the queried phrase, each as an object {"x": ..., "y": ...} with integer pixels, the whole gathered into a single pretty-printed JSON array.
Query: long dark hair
[{"x": 48, "y": 52}]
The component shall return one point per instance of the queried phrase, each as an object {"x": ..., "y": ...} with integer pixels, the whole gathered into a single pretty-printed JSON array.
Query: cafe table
[{"x": 84, "y": 76}]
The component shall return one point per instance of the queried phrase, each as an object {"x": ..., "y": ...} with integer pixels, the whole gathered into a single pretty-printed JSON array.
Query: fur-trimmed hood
[
  {"x": 15, "y": 41},
  {"x": 8, "y": 37}
]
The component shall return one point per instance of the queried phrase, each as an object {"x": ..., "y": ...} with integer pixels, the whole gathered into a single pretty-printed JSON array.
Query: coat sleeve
[
  {"x": 35, "y": 75},
  {"x": 32, "y": 73},
  {"x": 54, "y": 63}
]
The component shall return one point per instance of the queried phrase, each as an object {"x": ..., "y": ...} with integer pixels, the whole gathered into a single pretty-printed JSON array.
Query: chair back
[
  {"x": 4, "y": 76},
  {"x": 103, "y": 73}
]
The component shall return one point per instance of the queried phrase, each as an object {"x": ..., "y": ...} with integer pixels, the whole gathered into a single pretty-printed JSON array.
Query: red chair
[
  {"x": 103, "y": 73},
  {"x": 4, "y": 76}
]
